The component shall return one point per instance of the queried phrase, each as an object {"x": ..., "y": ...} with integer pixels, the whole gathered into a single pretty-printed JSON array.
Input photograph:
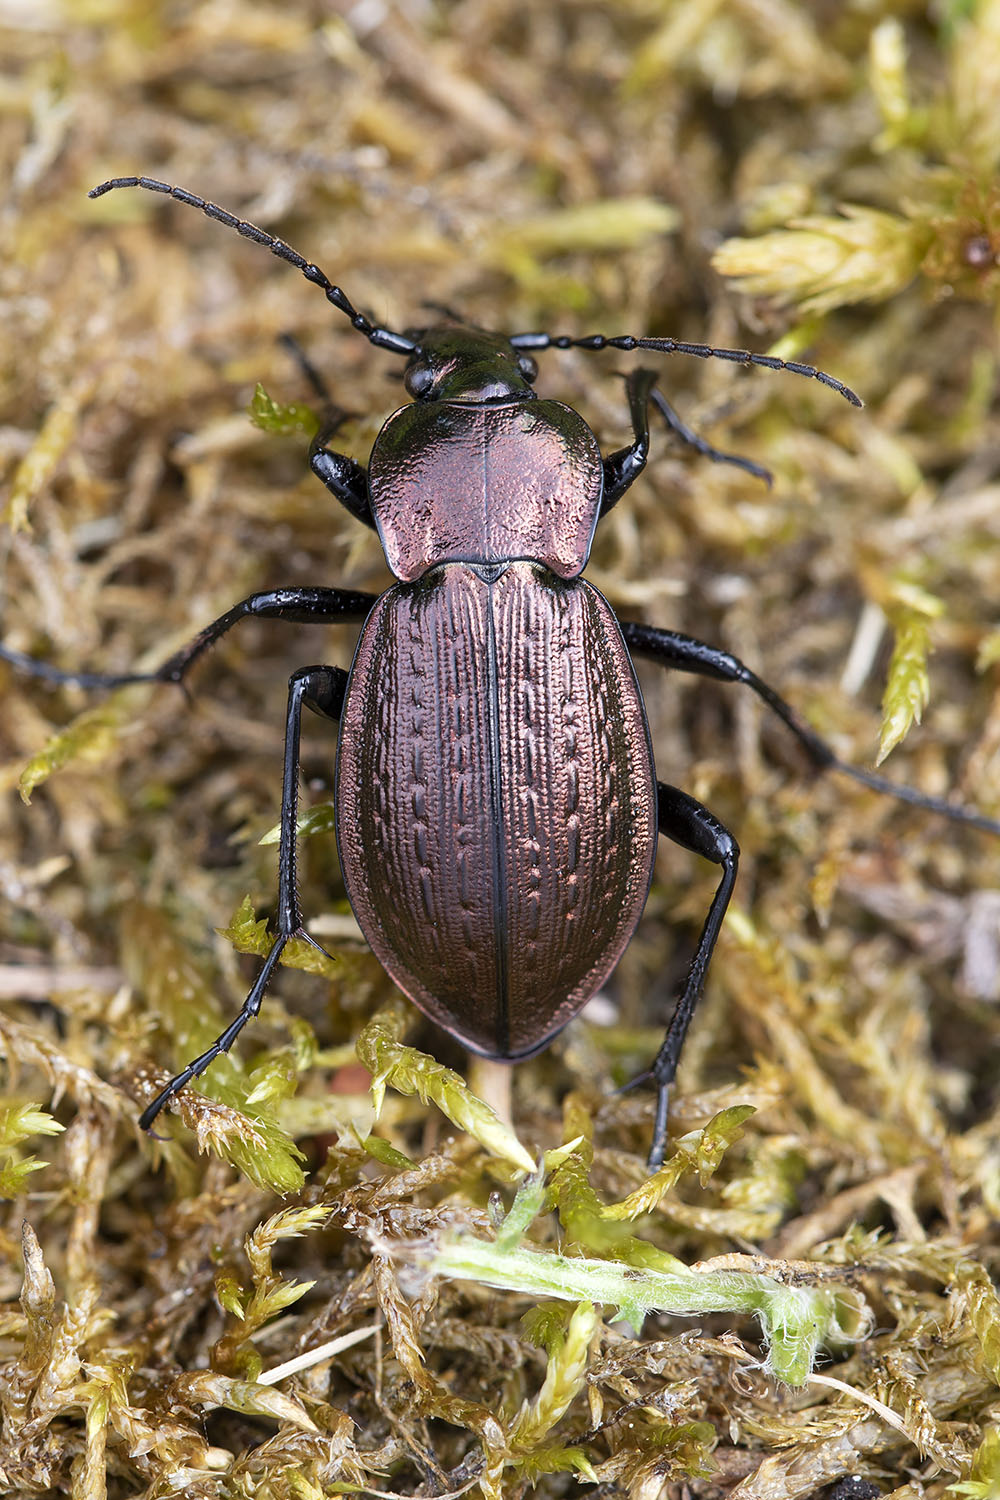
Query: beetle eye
[
  {"x": 418, "y": 380},
  {"x": 528, "y": 367}
]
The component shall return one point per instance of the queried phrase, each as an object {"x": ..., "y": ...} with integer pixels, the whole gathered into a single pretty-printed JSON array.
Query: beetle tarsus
[
  {"x": 289, "y": 342},
  {"x": 301, "y": 606},
  {"x": 251, "y": 1007},
  {"x": 48, "y": 673}
]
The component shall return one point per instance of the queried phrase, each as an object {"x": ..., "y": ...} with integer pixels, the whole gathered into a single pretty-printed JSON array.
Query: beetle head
[{"x": 457, "y": 363}]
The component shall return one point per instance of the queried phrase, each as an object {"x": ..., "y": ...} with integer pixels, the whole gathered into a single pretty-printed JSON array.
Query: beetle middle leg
[
  {"x": 687, "y": 822},
  {"x": 671, "y": 649},
  {"x": 322, "y": 689},
  {"x": 301, "y": 606}
]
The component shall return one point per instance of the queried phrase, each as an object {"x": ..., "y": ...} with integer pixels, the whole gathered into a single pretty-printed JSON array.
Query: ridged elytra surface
[{"x": 496, "y": 799}]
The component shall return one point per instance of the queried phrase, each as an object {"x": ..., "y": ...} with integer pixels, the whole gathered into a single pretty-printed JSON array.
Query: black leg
[
  {"x": 685, "y": 654},
  {"x": 622, "y": 468},
  {"x": 321, "y": 689},
  {"x": 693, "y": 440},
  {"x": 688, "y": 823},
  {"x": 304, "y": 606},
  {"x": 344, "y": 478}
]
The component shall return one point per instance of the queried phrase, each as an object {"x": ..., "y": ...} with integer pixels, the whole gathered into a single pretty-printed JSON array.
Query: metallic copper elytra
[{"x": 496, "y": 799}]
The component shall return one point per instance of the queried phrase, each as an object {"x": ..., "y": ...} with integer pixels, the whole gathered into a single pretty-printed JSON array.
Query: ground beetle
[{"x": 497, "y": 801}]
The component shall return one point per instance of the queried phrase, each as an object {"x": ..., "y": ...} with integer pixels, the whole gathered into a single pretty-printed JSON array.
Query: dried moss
[{"x": 177, "y": 1315}]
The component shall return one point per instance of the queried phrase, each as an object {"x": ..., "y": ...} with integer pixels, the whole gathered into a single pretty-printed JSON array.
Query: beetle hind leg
[
  {"x": 322, "y": 689},
  {"x": 687, "y": 822}
]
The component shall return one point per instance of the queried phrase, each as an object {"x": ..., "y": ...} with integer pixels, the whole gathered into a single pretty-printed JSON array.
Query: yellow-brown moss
[{"x": 571, "y": 166}]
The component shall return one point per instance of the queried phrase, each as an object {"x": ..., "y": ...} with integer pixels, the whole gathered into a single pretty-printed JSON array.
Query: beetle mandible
[{"x": 497, "y": 800}]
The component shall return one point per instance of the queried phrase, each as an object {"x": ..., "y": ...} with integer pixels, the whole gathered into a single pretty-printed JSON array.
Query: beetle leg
[
  {"x": 303, "y": 606},
  {"x": 322, "y": 689},
  {"x": 688, "y": 823},
  {"x": 622, "y": 468},
  {"x": 671, "y": 649},
  {"x": 694, "y": 440},
  {"x": 343, "y": 477}
]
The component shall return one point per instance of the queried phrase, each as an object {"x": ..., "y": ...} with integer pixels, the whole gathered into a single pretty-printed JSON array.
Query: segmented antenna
[
  {"x": 382, "y": 338},
  {"x": 626, "y": 342},
  {"x": 397, "y": 343}
]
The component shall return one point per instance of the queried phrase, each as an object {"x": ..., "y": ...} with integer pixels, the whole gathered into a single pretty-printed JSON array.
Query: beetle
[{"x": 497, "y": 803}]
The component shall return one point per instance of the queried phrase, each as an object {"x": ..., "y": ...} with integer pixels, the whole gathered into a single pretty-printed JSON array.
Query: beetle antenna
[
  {"x": 627, "y": 343},
  {"x": 382, "y": 338}
]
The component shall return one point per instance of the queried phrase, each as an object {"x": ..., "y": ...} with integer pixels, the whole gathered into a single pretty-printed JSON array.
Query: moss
[{"x": 246, "y": 1305}]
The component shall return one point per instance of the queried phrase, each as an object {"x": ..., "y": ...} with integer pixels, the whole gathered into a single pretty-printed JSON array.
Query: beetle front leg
[
  {"x": 300, "y": 606},
  {"x": 622, "y": 469},
  {"x": 686, "y": 822},
  {"x": 343, "y": 477},
  {"x": 321, "y": 689}
]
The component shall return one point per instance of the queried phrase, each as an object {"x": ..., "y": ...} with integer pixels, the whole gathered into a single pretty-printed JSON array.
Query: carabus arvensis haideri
[{"x": 497, "y": 800}]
